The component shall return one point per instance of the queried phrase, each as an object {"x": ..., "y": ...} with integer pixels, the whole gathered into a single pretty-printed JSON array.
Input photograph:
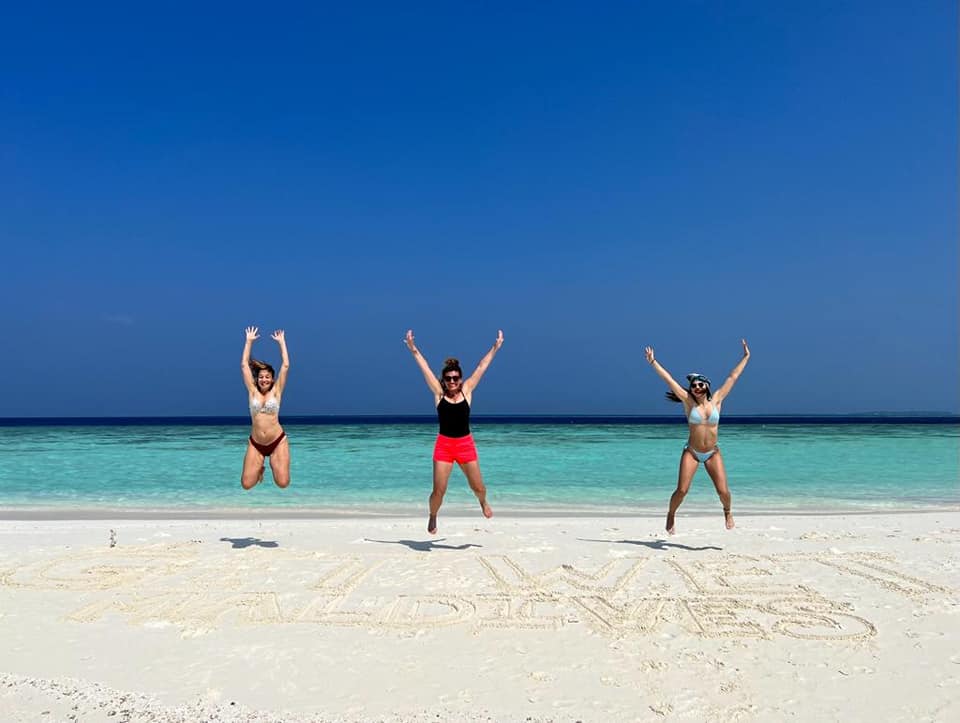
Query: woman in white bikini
[
  {"x": 702, "y": 408},
  {"x": 267, "y": 438}
]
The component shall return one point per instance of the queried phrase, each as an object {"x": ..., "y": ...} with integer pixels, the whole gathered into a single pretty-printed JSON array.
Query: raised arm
[
  {"x": 252, "y": 335},
  {"x": 424, "y": 367},
  {"x": 474, "y": 379},
  {"x": 278, "y": 336},
  {"x": 724, "y": 390},
  {"x": 665, "y": 375}
]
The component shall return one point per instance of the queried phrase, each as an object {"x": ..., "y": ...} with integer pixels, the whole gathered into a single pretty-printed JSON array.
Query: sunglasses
[
  {"x": 698, "y": 385},
  {"x": 451, "y": 379}
]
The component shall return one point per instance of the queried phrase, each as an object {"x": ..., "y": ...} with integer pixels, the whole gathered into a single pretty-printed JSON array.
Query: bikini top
[
  {"x": 696, "y": 418},
  {"x": 269, "y": 406},
  {"x": 454, "y": 417}
]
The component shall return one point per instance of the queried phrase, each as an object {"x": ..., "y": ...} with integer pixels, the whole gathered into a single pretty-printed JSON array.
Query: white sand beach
[{"x": 805, "y": 618}]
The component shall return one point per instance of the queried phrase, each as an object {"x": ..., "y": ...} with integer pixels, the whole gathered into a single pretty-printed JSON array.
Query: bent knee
[
  {"x": 248, "y": 484},
  {"x": 282, "y": 483}
]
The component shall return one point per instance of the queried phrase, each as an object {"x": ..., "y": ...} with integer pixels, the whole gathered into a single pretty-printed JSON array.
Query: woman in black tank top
[{"x": 452, "y": 396}]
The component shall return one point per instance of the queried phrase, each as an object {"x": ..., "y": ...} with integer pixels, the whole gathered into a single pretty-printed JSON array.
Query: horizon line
[{"x": 294, "y": 418}]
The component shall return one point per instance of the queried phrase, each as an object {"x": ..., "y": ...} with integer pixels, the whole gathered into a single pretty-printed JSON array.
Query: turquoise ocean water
[{"x": 529, "y": 467}]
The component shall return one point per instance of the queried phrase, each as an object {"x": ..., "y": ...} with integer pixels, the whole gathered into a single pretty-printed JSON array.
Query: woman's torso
[
  {"x": 454, "y": 417},
  {"x": 265, "y": 417},
  {"x": 704, "y": 422}
]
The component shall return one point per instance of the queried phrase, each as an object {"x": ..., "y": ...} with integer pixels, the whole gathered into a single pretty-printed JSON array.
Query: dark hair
[
  {"x": 674, "y": 398},
  {"x": 450, "y": 364},
  {"x": 257, "y": 366}
]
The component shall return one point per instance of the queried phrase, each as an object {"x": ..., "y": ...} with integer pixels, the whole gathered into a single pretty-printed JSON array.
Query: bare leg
[
  {"x": 718, "y": 474},
  {"x": 688, "y": 466},
  {"x": 475, "y": 480},
  {"x": 252, "y": 467},
  {"x": 441, "y": 475},
  {"x": 280, "y": 464}
]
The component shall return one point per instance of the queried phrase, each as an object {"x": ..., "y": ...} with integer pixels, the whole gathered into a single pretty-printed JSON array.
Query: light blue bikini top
[
  {"x": 696, "y": 418},
  {"x": 269, "y": 406}
]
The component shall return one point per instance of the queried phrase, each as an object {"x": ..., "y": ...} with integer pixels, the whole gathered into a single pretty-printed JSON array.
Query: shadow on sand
[
  {"x": 656, "y": 544},
  {"x": 239, "y": 542},
  {"x": 424, "y": 545}
]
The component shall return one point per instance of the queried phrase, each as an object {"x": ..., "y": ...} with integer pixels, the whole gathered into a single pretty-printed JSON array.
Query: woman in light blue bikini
[{"x": 702, "y": 408}]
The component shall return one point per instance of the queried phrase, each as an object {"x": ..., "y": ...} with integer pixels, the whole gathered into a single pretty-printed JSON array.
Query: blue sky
[{"x": 591, "y": 178}]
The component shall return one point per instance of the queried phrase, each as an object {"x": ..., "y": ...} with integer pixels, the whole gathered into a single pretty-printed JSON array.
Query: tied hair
[{"x": 451, "y": 364}]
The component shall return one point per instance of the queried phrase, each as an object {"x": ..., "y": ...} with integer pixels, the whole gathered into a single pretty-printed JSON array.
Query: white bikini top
[{"x": 268, "y": 406}]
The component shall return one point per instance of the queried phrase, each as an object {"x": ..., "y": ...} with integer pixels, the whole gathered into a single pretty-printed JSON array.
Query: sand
[{"x": 787, "y": 617}]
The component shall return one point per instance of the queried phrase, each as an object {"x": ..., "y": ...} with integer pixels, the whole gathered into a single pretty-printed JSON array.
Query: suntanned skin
[
  {"x": 265, "y": 428},
  {"x": 455, "y": 392},
  {"x": 701, "y": 437}
]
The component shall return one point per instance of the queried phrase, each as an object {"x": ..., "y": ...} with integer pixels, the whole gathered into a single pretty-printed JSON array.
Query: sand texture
[{"x": 803, "y": 618}]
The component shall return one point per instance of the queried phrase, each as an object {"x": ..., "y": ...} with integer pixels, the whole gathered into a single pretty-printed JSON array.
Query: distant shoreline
[{"x": 585, "y": 419}]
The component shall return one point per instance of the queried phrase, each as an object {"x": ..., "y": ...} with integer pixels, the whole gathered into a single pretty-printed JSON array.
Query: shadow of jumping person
[
  {"x": 241, "y": 542},
  {"x": 656, "y": 544},
  {"x": 424, "y": 545}
]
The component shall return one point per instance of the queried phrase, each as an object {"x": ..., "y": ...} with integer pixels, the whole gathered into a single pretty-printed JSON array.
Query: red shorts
[{"x": 455, "y": 449}]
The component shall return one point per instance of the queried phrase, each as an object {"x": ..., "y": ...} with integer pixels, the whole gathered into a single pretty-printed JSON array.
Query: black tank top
[{"x": 454, "y": 418}]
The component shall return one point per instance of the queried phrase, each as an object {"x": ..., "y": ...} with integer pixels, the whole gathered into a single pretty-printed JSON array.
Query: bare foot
[
  {"x": 432, "y": 525},
  {"x": 671, "y": 525},
  {"x": 728, "y": 516},
  {"x": 487, "y": 510}
]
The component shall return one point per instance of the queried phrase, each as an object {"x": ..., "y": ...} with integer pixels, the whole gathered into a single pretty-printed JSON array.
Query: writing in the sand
[{"x": 723, "y": 596}]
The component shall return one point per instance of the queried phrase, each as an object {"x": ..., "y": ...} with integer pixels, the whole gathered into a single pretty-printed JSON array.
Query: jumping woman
[
  {"x": 702, "y": 408},
  {"x": 267, "y": 438},
  {"x": 452, "y": 396}
]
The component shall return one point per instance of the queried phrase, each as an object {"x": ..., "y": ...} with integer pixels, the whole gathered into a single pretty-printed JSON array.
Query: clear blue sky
[{"x": 589, "y": 177}]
